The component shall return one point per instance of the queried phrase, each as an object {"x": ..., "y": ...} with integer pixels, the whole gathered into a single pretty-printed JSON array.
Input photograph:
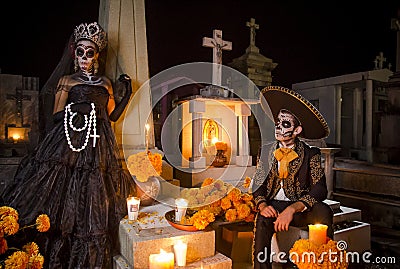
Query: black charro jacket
[{"x": 306, "y": 181}]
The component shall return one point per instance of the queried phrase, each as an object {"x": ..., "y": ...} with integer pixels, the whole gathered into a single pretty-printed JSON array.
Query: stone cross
[
  {"x": 218, "y": 45},
  {"x": 380, "y": 60},
  {"x": 253, "y": 27},
  {"x": 19, "y": 97}
]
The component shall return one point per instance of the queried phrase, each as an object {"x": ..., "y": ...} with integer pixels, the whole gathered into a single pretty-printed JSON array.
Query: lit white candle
[
  {"x": 180, "y": 249},
  {"x": 133, "y": 207},
  {"x": 164, "y": 260},
  {"x": 181, "y": 205},
  {"x": 147, "y": 126}
]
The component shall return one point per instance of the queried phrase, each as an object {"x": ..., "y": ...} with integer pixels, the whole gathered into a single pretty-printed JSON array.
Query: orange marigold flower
[
  {"x": 156, "y": 161},
  {"x": 217, "y": 203},
  {"x": 237, "y": 203},
  {"x": 231, "y": 215},
  {"x": 243, "y": 211},
  {"x": 31, "y": 248},
  {"x": 207, "y": 181},
  {"x": 36, "y": 261},
  {"x": 18, "y": 260},
  {"x": 3, "y": 245},
  {"x": 202, "y": 218},
  {"x": 226, "y": 203},
  {"x": 8, "y": 211},
  {"x": 9, "y": 225},
  {"x": 250, "y": 218},
  {"x": 234, "y": 194},
  {"x": 247, "y": 197},
  {"x": 43, "y": 223},
  {"x": 247, "y": 181}
]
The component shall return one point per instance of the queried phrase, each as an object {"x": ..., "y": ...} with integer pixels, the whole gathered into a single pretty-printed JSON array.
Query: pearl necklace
[{"x": 89, "y": 123}]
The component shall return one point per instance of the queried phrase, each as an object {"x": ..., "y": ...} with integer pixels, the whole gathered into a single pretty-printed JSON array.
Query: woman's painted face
[{"x": 86, "y": 53}]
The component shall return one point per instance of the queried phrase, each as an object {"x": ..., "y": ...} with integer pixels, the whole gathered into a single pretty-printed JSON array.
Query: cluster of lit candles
[{"x": 166, "y": 260}]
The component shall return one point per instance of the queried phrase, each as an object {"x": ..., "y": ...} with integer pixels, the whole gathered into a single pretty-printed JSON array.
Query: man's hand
[
  {"x": 284, "y": 218},
  {"x": 268, "y": 211}
]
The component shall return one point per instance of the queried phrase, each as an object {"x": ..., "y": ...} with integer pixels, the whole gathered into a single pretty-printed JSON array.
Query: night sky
[{"x": 308, "y": 39}]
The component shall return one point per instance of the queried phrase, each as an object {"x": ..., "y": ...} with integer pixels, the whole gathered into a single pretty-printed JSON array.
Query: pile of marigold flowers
[
  {"x": 307, "y": 255},
  {"x": 143, "y": 165},
  {"x": 216, "y": 198},
  {"x": 28, "y": 257}
]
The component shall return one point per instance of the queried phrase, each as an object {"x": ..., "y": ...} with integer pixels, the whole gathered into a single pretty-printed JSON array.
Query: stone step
[
  {"x": 347, "y": 214},
  {"x": 218, "y": 261},
  {"x": 335, "y": 205},
  {"x": 367, "y": 178}
]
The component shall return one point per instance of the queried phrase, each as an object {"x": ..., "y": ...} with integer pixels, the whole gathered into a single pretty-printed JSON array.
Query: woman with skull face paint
[
  {"x": 289, "y": 184},
  {"x": 75, "y": 175}
]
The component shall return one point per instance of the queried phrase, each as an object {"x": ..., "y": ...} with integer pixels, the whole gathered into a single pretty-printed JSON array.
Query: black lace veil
[{"x": 64, "y": 67}]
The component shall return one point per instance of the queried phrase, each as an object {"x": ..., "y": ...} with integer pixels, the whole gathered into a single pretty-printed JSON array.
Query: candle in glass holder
[
  {"x": 317, "y": 233},
  {"x": 163, "y": 260},
  {"x": 180, "y": 249},
  {"x": 133, "y": 207},
  {"x": 181, "y": 205}
]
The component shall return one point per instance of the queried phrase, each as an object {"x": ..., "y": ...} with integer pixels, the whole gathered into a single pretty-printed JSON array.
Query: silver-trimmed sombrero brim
[{"x": 277, "y": 98}]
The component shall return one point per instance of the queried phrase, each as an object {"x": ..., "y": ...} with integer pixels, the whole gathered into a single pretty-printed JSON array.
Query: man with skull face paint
[
  {"x": 75, "y": 175},
  {"x": 289, "y": 184}
]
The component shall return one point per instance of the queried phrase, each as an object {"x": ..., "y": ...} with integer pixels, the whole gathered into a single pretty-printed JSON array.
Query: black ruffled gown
[{"x": 84, "y": 193}]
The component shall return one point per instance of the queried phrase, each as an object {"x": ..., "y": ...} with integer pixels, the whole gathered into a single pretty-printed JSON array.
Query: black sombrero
[{"x": 277, "y": 98}]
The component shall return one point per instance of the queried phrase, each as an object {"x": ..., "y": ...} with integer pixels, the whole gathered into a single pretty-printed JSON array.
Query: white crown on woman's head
[{"x": 93, "y": 32}]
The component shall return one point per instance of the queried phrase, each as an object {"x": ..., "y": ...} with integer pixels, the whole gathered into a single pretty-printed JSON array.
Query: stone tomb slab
[
  {"x": 138, "y": 240},
  {"x": 218, "y": 261}
]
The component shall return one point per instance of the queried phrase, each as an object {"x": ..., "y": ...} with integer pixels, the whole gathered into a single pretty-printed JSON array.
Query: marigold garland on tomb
[{"x": 222, "y": 200}]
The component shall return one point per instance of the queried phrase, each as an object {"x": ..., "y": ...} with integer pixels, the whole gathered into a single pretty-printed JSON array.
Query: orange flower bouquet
[
  {"x": 221, "y": 146},
  {"x": 220, "y": 199},
  {"x": 307, "y": 255},
  {"x": 28, "y": 257},
  {"x": 143, "y": 165}
]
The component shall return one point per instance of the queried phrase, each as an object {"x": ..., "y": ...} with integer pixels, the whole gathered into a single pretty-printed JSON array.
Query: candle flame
[{"x": 214, "y": 140}]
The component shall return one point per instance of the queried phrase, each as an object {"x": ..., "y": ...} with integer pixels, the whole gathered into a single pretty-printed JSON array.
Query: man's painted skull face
[
  {"x": 285, "y": 126},
  {"x": 86, "y": 53}
]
